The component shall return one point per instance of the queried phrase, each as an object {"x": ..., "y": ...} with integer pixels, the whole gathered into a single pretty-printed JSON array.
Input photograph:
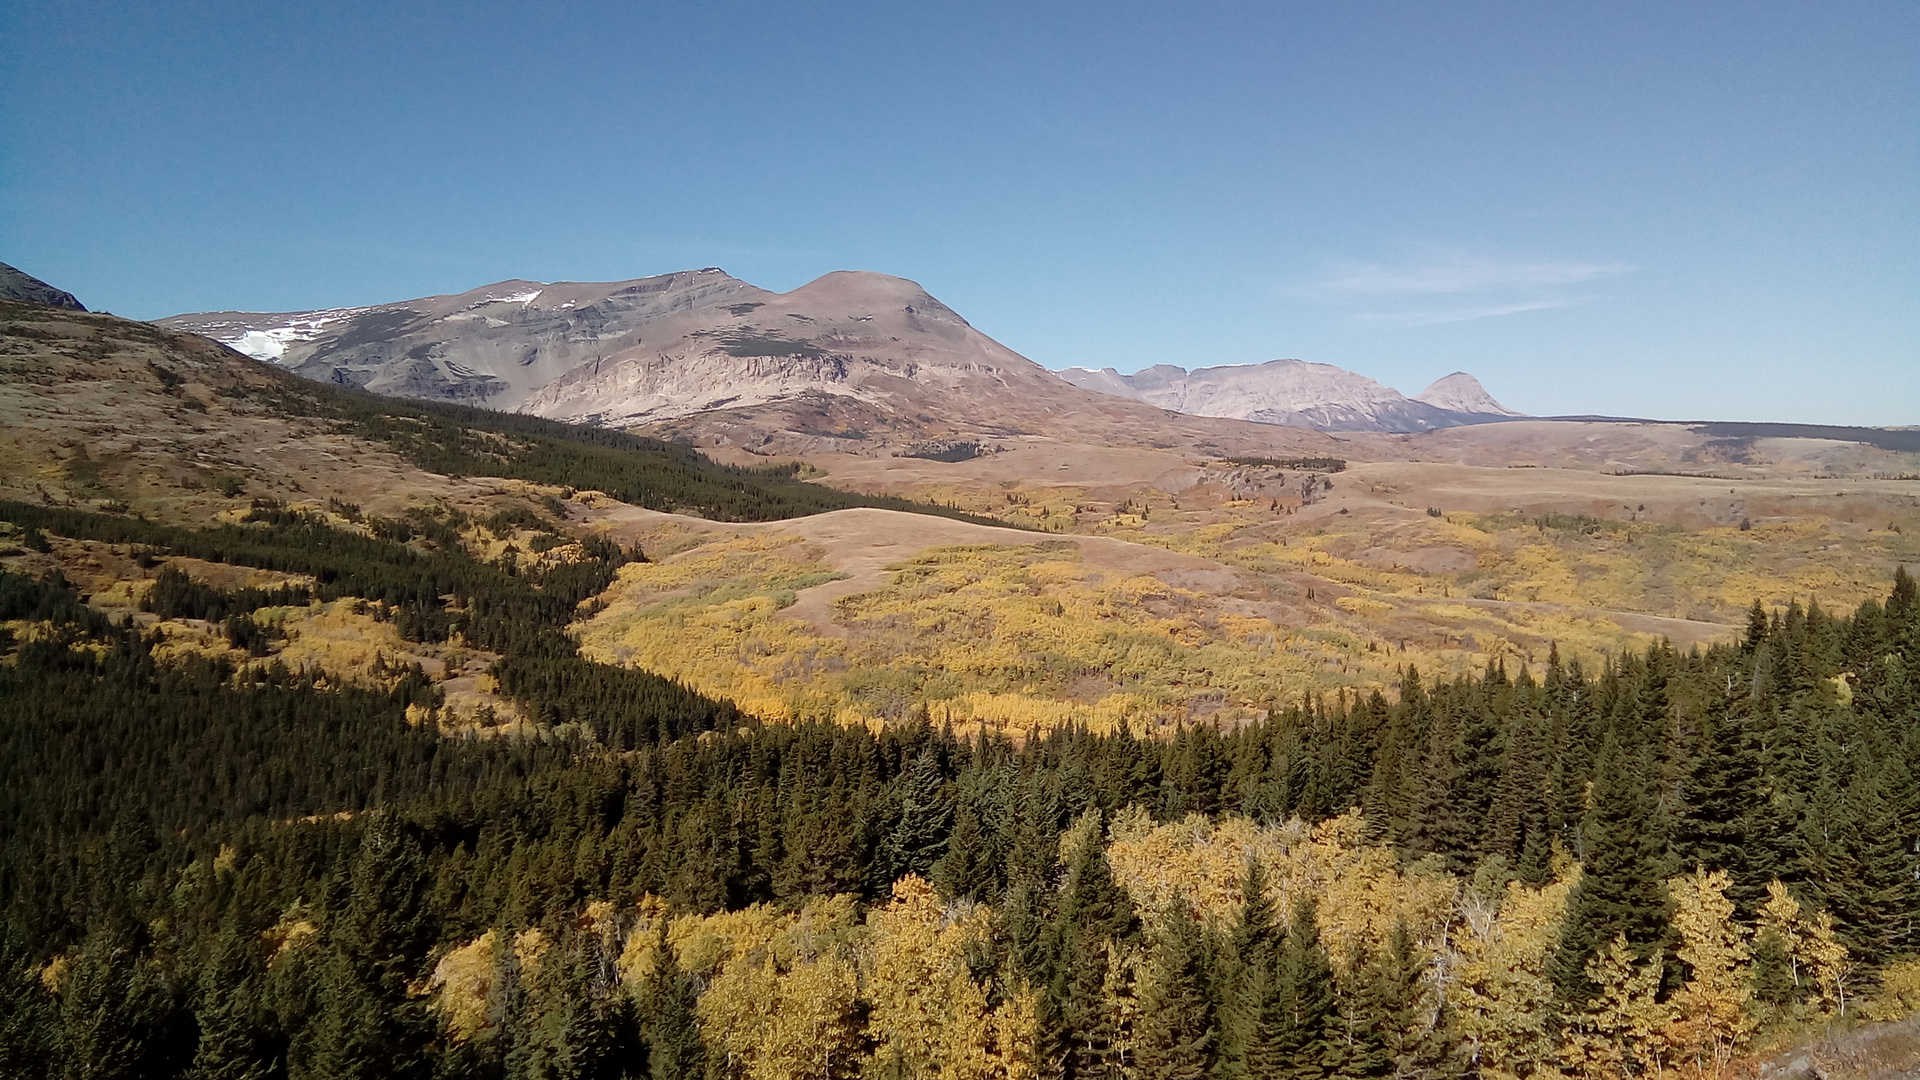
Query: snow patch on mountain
[{"x": 266, "y": 337}]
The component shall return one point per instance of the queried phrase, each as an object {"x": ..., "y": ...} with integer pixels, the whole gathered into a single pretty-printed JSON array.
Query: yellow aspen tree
[
  {"x": 1120, "y": 992},
  {"x": 927, "y": 1013},
  {"x": 964, "y": 1048},
  {"x": 735, "y": 1012},
  {"x": 1713, "y": 1017},
  {"x": 1619, "y": 1034},
  {"x": 1011, "y": 1052},
  {"x": 1780, "y": 921},
  {"x": 1831, "y": 966},
  {"x": 461, "y": 982},
  {"x": 1497, "y": 990},
  {"x": 813, "y": 1033},
  {"x": 909, "y": 982},
  {"x": 1815, "y": 955}
]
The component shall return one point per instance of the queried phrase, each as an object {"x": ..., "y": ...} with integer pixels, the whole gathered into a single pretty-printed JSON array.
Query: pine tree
[
  {"x": 919, "y": 838},
  {"x": 1296, "y": 1025},
  {"x": 668, "y": 1026},
  {"x": 1176, "y": 1037},
  {"x": 231, "y": 1045},
  {"x": 1246, "y": 973},
  {"x": 1620, "y": 891}
]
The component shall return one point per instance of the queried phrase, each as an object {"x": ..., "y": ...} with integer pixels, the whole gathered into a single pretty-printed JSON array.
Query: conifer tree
[
  {"x": 668, "y": 1026},
  {"x": 1519, "y": 819},
  {"x": 1722, "y": 823},
  {"x": 369, "y": 1025},
  {"x": 29, "y": 1013},
  {"x": 1620, "y": 891},
  {"x": 970, "y": 868},
  {"x": 1869, "y": 883},
  {"x": 919, "y": 838},
  {"x": 1295, "y": 1031},
  {"x": 231, "y": 1046},
  {"x": 1076, "y": 1026},
  {"x": 1245, "y": 977},
  {"x": 1757, "y": 627},
  {"x": 1176, "y": 1037}
]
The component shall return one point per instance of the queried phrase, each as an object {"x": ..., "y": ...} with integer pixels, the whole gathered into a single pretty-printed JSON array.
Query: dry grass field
[{"x": 1287, "y": 581}]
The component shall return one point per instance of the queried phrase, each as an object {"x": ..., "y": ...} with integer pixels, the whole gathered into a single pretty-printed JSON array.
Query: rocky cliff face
[{"x": 1296, "y": 393}]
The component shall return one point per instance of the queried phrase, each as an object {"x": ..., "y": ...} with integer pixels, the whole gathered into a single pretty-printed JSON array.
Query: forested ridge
[
  {"x": 211, "y": 871},
  {"x": 463, "y": 440}
]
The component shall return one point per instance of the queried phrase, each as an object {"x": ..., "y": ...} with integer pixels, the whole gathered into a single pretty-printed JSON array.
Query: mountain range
[
  {"x": 851, "y": 356},
  {"x": 1297, "y": 393}
]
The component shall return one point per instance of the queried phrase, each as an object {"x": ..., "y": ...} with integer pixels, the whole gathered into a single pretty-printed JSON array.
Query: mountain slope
[
  {"x": 854, "y": 361},
  {"x": 129, "y": 416},
  {"x": 24, "y": 287},
  {"x": 1462, "y": 393},
  {"x": 1297, "y": 393}
]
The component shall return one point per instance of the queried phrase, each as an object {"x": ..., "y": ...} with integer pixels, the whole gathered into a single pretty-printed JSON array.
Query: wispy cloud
[{"x": 1481, "y": 286}]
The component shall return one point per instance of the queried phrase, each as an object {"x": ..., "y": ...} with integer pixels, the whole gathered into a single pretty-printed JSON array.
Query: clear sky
[{"x": 1683, "y": 210}]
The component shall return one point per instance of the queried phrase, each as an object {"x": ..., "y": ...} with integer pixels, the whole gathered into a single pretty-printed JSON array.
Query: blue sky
[{"x": 1662, "y": 209}]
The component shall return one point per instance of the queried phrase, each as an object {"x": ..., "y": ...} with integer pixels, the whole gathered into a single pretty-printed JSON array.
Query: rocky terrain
[
  {"x": 852, "y": 361},
  {"x": 24, "y": 287},
  {"x": 1293, "y": 557},
  {"x": 1297, "y": 393}
]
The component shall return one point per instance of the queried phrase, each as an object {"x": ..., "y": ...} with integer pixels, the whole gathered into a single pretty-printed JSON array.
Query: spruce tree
[
  {"x": 369, "y": 1026},
  {"x": 1621, "y": 888},
  {"x": 232, "y": 1045},
  {"x": 1870, "y": 884},
  {"x": 919, "y": 837},
  {"x": 667, "y": 1023},
  {"x": 29, "y": 1014},
  {"x": 1245, "y": 976},
  {"x": 1722, "y": 818},
  {"x": 1093, "y": 912},
  {"x": 1176, "y": 1037},
  {"x": 1296, "y": 1024}
]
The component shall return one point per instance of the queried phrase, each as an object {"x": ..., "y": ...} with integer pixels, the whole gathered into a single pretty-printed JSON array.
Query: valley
[
  {"x": 827, "y": 724},
  {"x": 1157, "y": 582}
]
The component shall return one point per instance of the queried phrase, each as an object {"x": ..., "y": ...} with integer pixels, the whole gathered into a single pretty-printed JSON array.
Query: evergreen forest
[{"x": 222, "y": 871}]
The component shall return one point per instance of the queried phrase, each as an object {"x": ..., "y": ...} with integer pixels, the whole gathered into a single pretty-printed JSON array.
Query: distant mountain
[
  {"x": 852, "y": 361},
  {"x": 1297, "y": 393},
  {"x": 1462, "y": 393},
  {"x": 24, "y": 287}
]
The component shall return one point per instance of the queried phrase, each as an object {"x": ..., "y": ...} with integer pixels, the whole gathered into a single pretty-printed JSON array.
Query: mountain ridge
[
  {"x": 1299, "y": 393},
  {"x": 853, "y": 360},
  {"x": 17, "y": 284}
]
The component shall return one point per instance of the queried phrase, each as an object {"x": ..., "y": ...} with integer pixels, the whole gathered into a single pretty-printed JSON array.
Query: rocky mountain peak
[{"x": 1462, "y": 393}]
